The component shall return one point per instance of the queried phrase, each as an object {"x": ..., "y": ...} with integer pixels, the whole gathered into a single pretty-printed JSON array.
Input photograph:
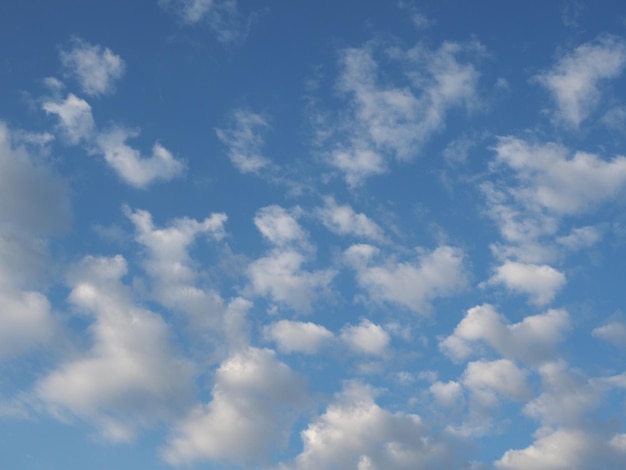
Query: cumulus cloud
[
  {"x": 355, "y": 432},
  {"x": 540, "y": 282},
  {"x": 294, "y": 336},
  {"x": 244, "y": 139},
  {"x": 131, "y": 375},
  {"x": 96, "y": 68},
  {"x": 551, "y": 178},
  {"x": 575, "y": 79},
  {"x": 487, "y": 380},
  {"x": 75, "y": 118},
  {"x": 393, "y": 120},
  {"x": 533, "y": 340},
  {"x": 366, "y": 338},
  {"x": 279, "y": 226},
  {"x": 343, "y": 220},
  {"x": 249, "y": 416},
  {"x": 448, "y": 393},
  {"x": 581, "y": 237},
  {"x": 411, "y": 284},
  {"x": 131, "y": 166},
  {"x": 34, "y": 204},
  {"x": 280, "y": 275}
]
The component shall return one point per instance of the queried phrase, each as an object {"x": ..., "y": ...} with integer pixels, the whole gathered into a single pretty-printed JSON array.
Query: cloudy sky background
[{"x": 312, "y": 235}]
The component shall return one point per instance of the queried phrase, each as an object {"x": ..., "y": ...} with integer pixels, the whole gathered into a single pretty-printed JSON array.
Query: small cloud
[{"x": 96, "y": 68}]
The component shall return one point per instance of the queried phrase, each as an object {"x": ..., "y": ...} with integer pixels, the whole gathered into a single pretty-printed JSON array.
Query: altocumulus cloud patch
[{"x": 320, "y": 235}]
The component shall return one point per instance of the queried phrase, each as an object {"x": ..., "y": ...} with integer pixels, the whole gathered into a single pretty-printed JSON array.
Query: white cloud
[
  {"x": 131, "y": 166},
  {"x": 553, "y": 179},
  {"x": 614, "y": 332},
  {"x": 389, "y": 120},
  {"x": 249, "y": 416},
  {"x": 489, "y": 379},
  {"x": 410, "y": 284},
  {"x": 532, "y": 340},
  {"x": 34, "y": 204},
  {"x": 366, "y": 338},
  {"x": 222, "y": 16},
  {"x": 356, "y": 433},
  {"x": 540, "y": 282},
  {"x": 563, "y": 449},
  {"x": 131, "y": 376},
  {"x": 295, "y": 336},
  {"x": 174, "y": 274},
  {"x": 280, "y": 276},
  {"x": 279, "y": 226},
  {"x": 96, "y": 68},
  {"x": 447, "y": 394},
  {"x": 342, "y": 220},
  {"x": 574, "y": 80},
  {"x": 75, "y": 117},
  {"x": 244, "y": 139}
]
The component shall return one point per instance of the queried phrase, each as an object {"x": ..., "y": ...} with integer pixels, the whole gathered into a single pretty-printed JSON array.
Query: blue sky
[{"x": 312, "y": 235}]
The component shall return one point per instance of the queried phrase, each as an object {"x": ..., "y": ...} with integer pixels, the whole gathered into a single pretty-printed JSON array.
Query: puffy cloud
[
  {"x": 574, "y": 80},
  {"x": 355, "y": 432},
  {"x": 131, "y": 376},
  {"x": 366, "y": 338},
  {"x": 96, "y": 68},
  {"x": 342, "y": 220},
  {"x": 614, "y": 332},
  {"x": 131, "y": 166},
  {"x": 552, "y": 179},
  {"x": 396, "y": 120},
  {"x": 34, "y": 204},
  {"x": 540, "y": 282},
  {"x": 532, "y": 340},
  {"x": 563, "y": 449},
  {"x": 249, "y": 416},
  {"x": 447, "y": 394},
  {"x": 222, "y": 16},
  {"x": 280, "y": 276},
  {"x": 295, "y": 336},
  {"x": 410, "y": 284},
  {"x": 279, "y": 226},
  {"x": 75, "y": 117},
  {"x": 244, "y": 139},
  {"x": 488, "y": 379}
]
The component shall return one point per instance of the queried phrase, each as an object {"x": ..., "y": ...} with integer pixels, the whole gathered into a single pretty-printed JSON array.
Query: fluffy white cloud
[
  {"x": 295, "y": 336},
  {"x": 75, "y": 117},
  {"x": 280, "y": 276},
  {"x": 249, "y": 416},
  {"x": 447, "y": 394},
  {"x": 244, "y": 139},
  {"x": 96, "y": 68},
  {"x": 131, "y": 376},
  {"x": 540, "y": 282},
  {"x": 279, "y": 226},
  {"x": 581, "y": 237},
  {"x": 574, "y": 80},
  {"x": 355, "y": 432},
  {"x": 563, "y": 449},
  {"x": 487, "y": 380},
  {"x": 532, "y": 340},
  {"x": 342, "y": 220},
  {"x": 131, "y": 166},
  {"x": 366, "y": 338},
  {"x": 396, "y": 120},
  {"x": 410, "y": 284},
  {"x": 550, "y": 177},
  {"x": 34, "y": 203}
]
